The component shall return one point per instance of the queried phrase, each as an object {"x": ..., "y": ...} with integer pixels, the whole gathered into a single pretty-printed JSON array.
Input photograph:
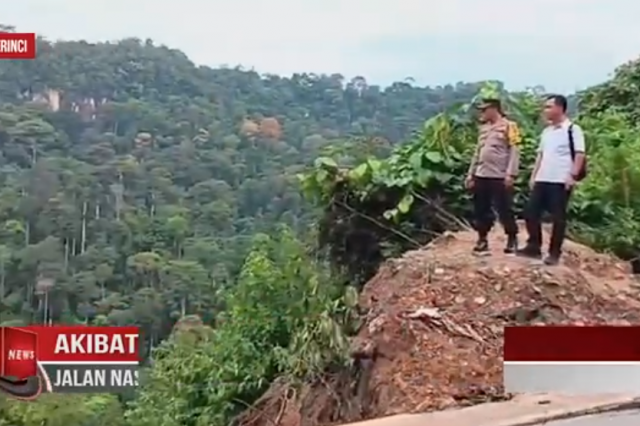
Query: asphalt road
[{"x": 621, "y": 418}]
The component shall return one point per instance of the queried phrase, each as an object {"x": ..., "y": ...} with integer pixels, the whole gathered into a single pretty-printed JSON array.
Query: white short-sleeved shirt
[{"x": 556, "y": 164}]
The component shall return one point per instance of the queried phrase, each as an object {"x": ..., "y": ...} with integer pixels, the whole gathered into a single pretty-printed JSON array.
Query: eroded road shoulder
[
  {"x": 529, "y": 410},
  {"x": 622, "y": 418}
]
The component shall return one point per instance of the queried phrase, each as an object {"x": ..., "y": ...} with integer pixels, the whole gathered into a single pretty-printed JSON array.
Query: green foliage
[
  {"x": 132, "y": 181},
  {"x": 282, "y": 318},
  {"x": 617, "y": 95},
  {"x": 384, "y": 206},
  {"x": 63, "y": 410},
  {"x": 438, "y": 155},
  {"x": 137, "y": 188},
  {"x": 132, "y": 184},
  {"x": 381, "y": 207},
  {"x": 607, "y": 205}
]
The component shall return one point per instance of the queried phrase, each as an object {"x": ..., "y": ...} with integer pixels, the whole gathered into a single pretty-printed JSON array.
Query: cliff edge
[{"x": 431, "y": 338}]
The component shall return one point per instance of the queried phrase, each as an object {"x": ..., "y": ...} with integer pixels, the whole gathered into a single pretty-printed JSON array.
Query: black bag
[{"x": 583, "y": 171}]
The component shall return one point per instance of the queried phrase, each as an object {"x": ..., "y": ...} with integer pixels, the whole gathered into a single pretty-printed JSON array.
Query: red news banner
[
  {"x": 572, "y": 359},
  {"x": 68, "y": 359},
  {"x": 17, "y": 45}
]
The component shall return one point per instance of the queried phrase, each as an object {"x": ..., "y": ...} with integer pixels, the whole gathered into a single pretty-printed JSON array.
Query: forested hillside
[
  {"x": 138, "y": 188},
  {"x": 132, "y": 180},
  {"x": 135, "y": 183}
]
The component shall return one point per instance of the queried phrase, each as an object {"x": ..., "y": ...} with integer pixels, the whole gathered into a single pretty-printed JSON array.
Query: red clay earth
[{"x": 432, "y": 337}]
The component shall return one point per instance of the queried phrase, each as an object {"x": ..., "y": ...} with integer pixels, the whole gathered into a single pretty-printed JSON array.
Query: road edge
[{"x": 568, "y": 413}]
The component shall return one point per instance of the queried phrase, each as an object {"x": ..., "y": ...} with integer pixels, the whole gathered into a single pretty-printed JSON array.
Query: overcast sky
[{"x": 560, "y": 44}]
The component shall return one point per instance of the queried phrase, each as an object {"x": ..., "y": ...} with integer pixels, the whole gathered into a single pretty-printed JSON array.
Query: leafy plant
[
  {"x": 282, "y": 318},
  {"x": 402, "y": 201}
]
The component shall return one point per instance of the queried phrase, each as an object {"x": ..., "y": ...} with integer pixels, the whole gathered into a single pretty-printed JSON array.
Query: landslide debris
[{"x": 432, "y": 333}]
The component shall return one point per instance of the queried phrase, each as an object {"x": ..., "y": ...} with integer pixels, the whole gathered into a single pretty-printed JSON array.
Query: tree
[{"x": 138, "y": 188}]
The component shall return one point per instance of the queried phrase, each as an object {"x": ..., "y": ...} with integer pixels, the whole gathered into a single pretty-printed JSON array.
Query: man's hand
[
  {"x": 508, "y": 181},
  {"x": 570, "y": 182},
  {"x": 469, "y": 182}
]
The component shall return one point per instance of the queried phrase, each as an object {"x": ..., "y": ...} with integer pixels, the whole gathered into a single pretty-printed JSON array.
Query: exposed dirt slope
[{"x": 432, "y": 338}]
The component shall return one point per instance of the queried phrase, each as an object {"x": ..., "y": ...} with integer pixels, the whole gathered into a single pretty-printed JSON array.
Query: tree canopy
[
  {"x": 135, "y": 182},
  {"x": 386, "y": 206},
  {"x": 139, "y": 188}
]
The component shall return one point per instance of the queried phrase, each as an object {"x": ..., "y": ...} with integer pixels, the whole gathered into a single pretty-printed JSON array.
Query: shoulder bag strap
[{"x": 572, "y": 147}]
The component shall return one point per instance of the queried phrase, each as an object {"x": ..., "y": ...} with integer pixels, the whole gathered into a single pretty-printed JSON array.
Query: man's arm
[
  {"x": 536, "y": 166},
  {"x": 579, "y": 148},
  {"x": 474, "y": 162},
  {"x": 514, "y": 138}
]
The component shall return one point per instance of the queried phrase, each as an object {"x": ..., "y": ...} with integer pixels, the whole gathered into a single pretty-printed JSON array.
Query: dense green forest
[
  {"x": 139, "y": 188},
  {"x": 135, "y": 183}
]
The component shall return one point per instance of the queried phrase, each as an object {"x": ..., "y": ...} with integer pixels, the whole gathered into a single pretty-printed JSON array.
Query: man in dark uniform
[{"x": 492, "y": 172}]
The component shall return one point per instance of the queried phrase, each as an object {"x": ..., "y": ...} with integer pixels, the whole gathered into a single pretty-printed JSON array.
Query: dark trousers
[
  {"x": 554, "y": 199},
  {"x": 489, "y": 193}
]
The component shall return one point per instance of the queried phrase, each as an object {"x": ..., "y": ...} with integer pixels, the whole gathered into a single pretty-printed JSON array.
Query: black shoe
[
  {"x": 512, "y": 245},
  {"x": 551, "y": 260},
  {"x": 482, "y": 246},
  {"x": 529, "y": 251}
]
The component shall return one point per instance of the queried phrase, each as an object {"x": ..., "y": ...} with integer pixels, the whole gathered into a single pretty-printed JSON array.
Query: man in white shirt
[{"x": 559, "y": 166}]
